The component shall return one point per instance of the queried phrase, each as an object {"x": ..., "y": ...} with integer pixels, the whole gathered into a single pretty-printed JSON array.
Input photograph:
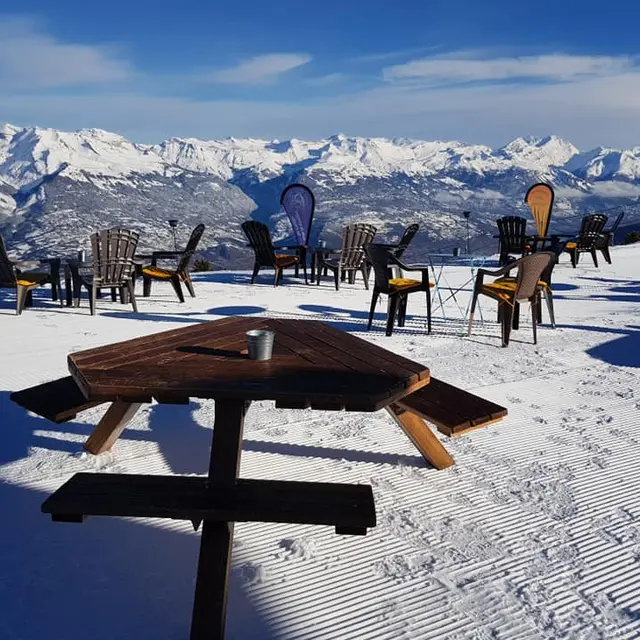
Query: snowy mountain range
[{"x": 57, "y": 187}]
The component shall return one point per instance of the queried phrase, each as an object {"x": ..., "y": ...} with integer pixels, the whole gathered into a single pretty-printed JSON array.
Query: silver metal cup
[
  {"x": 456, "y": 251},
  {"x": 82, "y": 255},
  {"x": 260, "y": 344}
]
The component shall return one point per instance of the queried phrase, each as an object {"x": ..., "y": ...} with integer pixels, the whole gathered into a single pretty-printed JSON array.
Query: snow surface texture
[
  {"x": 534, "y": 533},
  {"x": 56, "y": 187}
]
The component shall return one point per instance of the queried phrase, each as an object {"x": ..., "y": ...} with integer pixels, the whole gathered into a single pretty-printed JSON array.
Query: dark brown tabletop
[{"x": 313, "y": 365}]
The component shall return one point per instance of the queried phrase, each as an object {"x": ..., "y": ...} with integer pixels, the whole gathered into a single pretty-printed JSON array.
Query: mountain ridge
[{"x": 51, "y": 179}]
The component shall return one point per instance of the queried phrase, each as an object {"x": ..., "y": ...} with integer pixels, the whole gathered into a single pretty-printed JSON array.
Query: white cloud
[
  {"x": 259, "y": 69},
  {"x": 458, "y": 68},
  {"x": 32, "y": 59}
]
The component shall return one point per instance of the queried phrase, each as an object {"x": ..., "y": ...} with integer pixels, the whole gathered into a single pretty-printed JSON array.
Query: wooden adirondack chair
[
  {"x": 174, "y": 276},
  {"x": 23, "y": 282},
  {"x": 265, "y": 255},
  {"x": 113, "y": 266},
  {"x": 351, "y": 257},
  {"x": 586, "y": 242},
  {"x": 512, "y": 232}
]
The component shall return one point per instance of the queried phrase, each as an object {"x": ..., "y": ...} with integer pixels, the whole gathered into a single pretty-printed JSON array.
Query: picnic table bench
[{"x": 314, "y": 366}]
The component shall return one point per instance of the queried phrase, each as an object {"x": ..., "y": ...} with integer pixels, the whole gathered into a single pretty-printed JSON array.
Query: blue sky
[{"x": 476, "y": 71}]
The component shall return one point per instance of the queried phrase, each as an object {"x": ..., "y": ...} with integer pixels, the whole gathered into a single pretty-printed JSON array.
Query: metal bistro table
[
  {"x": 437, "y": 263},
  {"x": 314, "y": 366}
]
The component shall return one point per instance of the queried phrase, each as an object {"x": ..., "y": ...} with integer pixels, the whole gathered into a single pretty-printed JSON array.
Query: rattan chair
[
  {"x": 510, "y": 292},
  {"x": 351, "y": 257},
  {"x": 265, "y": 255},
  {"x": 587, "y": 239},
  {"x": 397, "y": 289},
  {"x": 180, "y": 274}
]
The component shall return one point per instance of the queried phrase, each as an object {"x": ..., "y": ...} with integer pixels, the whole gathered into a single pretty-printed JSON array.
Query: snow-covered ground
[{"x": 534, "y": 533}]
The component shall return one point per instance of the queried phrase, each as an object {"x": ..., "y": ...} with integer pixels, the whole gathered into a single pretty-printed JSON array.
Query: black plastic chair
[
  {"x": 607, "y": 238},
  {"x": 174, "y": 276},
  {"x": 397, "y": 289},
  {"x": 512, "y": 234},
  {"x": 586, "y": 242},
  {"x": 12, "y": 277},
  {"x": 260, "y": 241}
]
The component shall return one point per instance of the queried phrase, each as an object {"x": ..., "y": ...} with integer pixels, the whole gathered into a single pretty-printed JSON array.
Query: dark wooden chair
[
  {"x": 587, "y": 240},
  {"x": 397, "y": 289},
  {"x": 607, "y": 237},
  {"x": 512, "y": 234},
  {"x": 11, "y": 277},
  {"x": 174, "y": 276},
  {"x": 113, "y": 266},
  {"x": 299, "y": 203},
  {"x": 509, "y": 293},
  {"x": 265, "y": 254},
  {"x": 351, "y": 257}
]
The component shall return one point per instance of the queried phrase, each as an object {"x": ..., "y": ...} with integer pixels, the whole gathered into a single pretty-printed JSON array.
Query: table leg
[
  {"x": 425, "y": 441},
  {"x": 113, "y": 423},
  {"x": 210, "y": 602}
]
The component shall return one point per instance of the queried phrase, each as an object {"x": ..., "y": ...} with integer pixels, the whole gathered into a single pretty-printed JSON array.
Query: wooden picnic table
[{"x": 314, "y": 366}]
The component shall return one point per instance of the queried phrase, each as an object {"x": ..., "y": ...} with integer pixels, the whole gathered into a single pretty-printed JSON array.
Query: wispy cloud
[
  {"x": 454, "y": 68},
  {"x": 259, "y": 69},
  {"x": 326, "y": 80},
  {"x": 389, "y": 55},
  {"x": 31, "y": 58}
]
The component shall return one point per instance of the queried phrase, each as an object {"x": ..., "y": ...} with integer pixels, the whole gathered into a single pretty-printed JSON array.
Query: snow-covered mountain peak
[{"x": 539, "y": 154}]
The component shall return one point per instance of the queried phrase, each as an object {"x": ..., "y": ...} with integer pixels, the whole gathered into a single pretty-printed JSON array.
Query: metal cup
[
  {"x": 323, "y": 243},
  {"x": 82, "y": 255},
  {"x": 260, "y": 344},
  {"x": 456, "y": 251}
]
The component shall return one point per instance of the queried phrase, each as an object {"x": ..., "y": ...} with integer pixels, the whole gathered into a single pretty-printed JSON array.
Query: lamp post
[
  {"x": 466, "y": 214},
  {"x": 173, "y": 224}
]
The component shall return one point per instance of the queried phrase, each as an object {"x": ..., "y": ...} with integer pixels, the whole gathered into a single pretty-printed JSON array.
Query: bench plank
[
  {"x": 59, "y": 400},
  {"x": 452, "y": 410},
  {"x": 350, "y": 508}
]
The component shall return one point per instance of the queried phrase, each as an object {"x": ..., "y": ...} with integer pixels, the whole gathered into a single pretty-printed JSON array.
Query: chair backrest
[
  {"x": 299, "y": 203},
  {"x": 259, "y": 238},
  {"x": 380, "y": 257},
  {"x": 113, "y": 251},
  {"x": 540, "y": 200},
  {"x": 355, "y": 237},
  {"x": 615, "y": 225},
  {"x": 512, "y": 231},
  {"x": 7, "y": 272},
  {"x": 590, "y": 230},
  {"x": 530, "y": 270},
  {"x": 192, "y": 245},
  {"x": 406, "y": 239}
]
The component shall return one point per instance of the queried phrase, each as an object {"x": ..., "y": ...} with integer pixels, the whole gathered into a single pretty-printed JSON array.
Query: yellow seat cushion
[
  {"x": 31, "y": 279},
  {"x": 571, "y": 245},
  {"x": 542, "y": 283},
  {"x": 283, "y": 260},
  {"x": 158, "y": 272},
  {"x": 400, "y": 284}
]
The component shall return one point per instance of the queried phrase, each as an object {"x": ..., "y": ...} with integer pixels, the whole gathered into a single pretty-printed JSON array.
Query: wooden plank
[
  {"x": 196, "y": 498},
  {"x": 113, "y": 423},
  {"x": 59, "y": 400},
  {"x": 425, "y": 441},
  {"x": 452, "y": 410}
]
